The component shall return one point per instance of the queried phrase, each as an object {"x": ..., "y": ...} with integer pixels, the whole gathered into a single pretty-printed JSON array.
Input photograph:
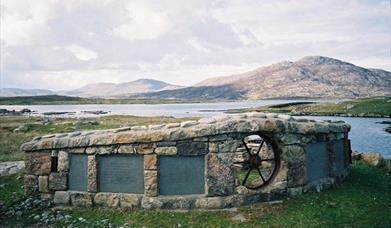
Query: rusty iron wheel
[{"x": 255, "y": 161}]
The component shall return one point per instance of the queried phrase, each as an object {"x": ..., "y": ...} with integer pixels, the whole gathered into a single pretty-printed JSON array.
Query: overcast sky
[{"x": 64, "y": 44}]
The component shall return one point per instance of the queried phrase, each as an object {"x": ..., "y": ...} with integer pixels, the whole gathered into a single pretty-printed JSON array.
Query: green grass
[
  {"x": 363, "y": 200},
  {"x": 10, "y": 141},
  {"x": 368, "y": 106}
]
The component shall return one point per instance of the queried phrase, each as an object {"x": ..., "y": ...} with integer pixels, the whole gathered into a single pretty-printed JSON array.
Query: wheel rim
[{"x": 261, "y": 163}]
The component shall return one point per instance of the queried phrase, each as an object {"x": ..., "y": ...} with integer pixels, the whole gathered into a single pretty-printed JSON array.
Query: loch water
[{"x": 367, "y": 134}]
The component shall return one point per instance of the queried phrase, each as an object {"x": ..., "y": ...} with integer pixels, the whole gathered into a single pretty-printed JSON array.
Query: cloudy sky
[{"x": 64, "y": 44}]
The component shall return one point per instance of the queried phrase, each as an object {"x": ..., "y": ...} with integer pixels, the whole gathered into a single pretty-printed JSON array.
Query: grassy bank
[
  {"x": 363, "y": 200},
  {"x": 11, "y": 140},
  {"x": 359, "y": 107}
]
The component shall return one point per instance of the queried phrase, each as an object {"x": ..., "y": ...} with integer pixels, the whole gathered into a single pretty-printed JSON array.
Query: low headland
[{"x": 360, "y": 107}]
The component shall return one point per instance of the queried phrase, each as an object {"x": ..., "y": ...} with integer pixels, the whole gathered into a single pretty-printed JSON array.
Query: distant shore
[{"x": 374, "y": 107}]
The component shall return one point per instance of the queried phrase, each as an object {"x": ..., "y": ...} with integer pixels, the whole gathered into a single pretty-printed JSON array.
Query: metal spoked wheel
[{"x": 260, "y": 162}]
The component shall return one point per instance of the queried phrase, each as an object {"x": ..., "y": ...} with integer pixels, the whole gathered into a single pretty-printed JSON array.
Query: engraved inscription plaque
[
  {"x": 121, "y": 173},
  {"x": 340, "y": 158},
  {"x": 316, "y": 161},
  {"x": 181, "y": 175},
  {"x": 77, "y": 177}
]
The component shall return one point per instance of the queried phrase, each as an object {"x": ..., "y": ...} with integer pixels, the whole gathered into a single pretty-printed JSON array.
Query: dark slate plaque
[
  {"x": 340, "y": 158},
  {"x": 180, "y": 175},
  {"x": 316, "y": 161},
  {"x": 77, "y": 177},
  {"x": 121, "y": 173}
]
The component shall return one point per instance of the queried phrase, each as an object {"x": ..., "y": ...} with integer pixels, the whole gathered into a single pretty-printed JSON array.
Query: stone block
[
  {"x": 30, "y": 185},
  {"x": 126, "y": 149},
  {"x": 91, "y": 174},
  {"x": 38, "y": 163},
  {"x": 63, "y": 161},
  {"x": 81, "y": 199},
  {"x": 58, "y": 181},
  {"x": 151, "y": 203},
  {"x": 209, "y": 203},
  {"x": 144, "y": 148},
  {"x": 188, "y": 148},
  {"x": 150, "y": 183},
  {"x": 166, "y": 150},
  {"x": 130, "y": 201},
  {"x": 101, "y": 150},
  {"x": 61, "y": 198},
  {"x": 43, "y": 184},
  {"x": 220, "y": 180},
  {"x": 107, "y": 199},
  {"x": 150, "y": 162}
]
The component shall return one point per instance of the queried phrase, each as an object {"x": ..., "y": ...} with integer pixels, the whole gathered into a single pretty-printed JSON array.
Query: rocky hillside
[
  {"x": 313, "y": 76},
  {"x": 120, "y": 89},
  {"x": 16, "y": 92}
]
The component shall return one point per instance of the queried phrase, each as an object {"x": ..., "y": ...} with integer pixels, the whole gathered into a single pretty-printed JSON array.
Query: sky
[{"x": 61, "y": 45}]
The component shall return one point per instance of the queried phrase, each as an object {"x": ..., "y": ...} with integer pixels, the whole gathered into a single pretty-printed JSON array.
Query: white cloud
[
  {"x": 82, "y": 53},
  {"x": 143, "y": 23},
  {"x": 64, "y": 44}
]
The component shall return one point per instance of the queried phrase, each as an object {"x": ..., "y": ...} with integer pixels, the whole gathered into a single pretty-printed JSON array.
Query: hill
[
  {"x": 17, "y": 92},
  {"x": 309, "y": 77},
  {"x": 120, "y": 89}
]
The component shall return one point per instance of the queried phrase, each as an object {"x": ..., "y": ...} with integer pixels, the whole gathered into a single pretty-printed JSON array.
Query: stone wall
[{"x": 73, "y": 169}]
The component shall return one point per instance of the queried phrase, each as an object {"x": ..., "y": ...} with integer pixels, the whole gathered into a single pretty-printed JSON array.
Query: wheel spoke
[
  {"x": 246, "y": 177},
  {"x": 259, "y": 149},
  {"x": 247, "y": 149},
  {"x": 260, "y": 174}
]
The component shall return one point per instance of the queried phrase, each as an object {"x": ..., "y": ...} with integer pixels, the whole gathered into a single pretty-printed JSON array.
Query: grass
[
  {"x": 363, "y": 200},
  {"x": 11, "y": 141},
  {"x": 61, "y": 100},
  {"x": 360, "y": 106}
]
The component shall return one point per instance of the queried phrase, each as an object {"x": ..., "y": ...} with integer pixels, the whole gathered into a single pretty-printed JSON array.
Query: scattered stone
[{"x": 11, "y": 167}]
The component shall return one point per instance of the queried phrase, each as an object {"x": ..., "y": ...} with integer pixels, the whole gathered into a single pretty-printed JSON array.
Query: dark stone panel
[
  {"x": 180, "y": 175},
  {"x": 316, "y": 161},
  {"x": 77, "y": 177},
  {"x": 121, "y": 173},
  {"x": 340, "y": 158}
]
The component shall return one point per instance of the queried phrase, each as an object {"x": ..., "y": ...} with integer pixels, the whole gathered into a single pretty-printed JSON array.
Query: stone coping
[{"x": 221, "y": 124}]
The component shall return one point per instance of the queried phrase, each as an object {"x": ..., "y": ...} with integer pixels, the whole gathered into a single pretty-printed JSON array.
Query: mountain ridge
[{"x": 310, "y": 76}]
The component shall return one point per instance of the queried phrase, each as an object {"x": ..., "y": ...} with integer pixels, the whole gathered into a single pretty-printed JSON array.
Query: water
[
  {"x": 366, "y": 134},
  {"x": 176, "y": 110}
]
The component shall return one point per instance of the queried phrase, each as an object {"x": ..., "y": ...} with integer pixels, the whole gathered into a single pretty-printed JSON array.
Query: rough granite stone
[
  {"x": 150, "y": 162},
  {"x": 107, "y": 199},
  {"x": 43, "y": 184},
  {"x": 31, "y": 185},
  {"x": 91, "y": 174},
  {"x": 187, "y": 148},
  {"x": 63, "y": 162},
  {"x": 166, "y": 150},
  {"x": 145, "y": 148},
  {"x": 130, "y": 201},
  {"x": 150, "y": 183},
  {"x": 81, "y": 199},
  {"x": 61, "y": 198},
  {"x": 220, "y": 180},
  {"x": 38, "y": 163},
  {"x": 58, "y": 181},
  {"x": 126, "y": 149}
]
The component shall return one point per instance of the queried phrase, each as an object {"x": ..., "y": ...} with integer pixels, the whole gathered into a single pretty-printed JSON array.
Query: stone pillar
[
  {"x": 91, "y": 174},
  {"x": 150, "y": 175}
]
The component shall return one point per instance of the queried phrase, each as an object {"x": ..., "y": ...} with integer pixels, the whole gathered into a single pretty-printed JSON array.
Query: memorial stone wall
[{"x": 218, "y": 162}]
